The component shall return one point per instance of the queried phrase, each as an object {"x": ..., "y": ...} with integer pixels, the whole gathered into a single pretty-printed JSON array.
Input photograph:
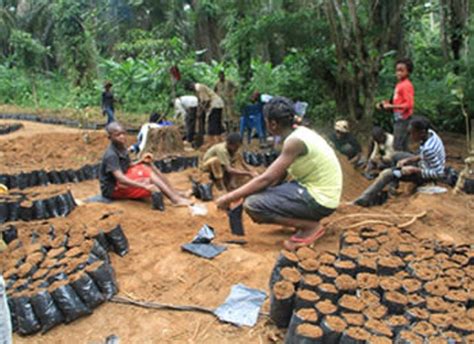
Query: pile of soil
[
  {"x": 58, "y": 152},
  {"x": 162, "y": 142},
  {"x": 405, "y": 294}
]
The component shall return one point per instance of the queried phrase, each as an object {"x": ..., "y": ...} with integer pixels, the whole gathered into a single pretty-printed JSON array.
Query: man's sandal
[{"x": 296, "y": 242}]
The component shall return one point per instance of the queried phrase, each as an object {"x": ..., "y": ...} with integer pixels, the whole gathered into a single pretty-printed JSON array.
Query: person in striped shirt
[{"x": 426, "y": 166}]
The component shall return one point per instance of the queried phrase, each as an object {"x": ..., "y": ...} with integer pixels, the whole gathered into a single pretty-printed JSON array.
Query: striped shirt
[{"x": 433, "y": 157}]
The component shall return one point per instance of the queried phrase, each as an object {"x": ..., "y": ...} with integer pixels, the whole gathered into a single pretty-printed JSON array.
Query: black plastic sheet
[{"x": 208, "y": 251}]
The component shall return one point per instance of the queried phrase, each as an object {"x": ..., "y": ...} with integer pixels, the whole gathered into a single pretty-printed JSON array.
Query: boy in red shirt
[{"x": 401, "y": 104}]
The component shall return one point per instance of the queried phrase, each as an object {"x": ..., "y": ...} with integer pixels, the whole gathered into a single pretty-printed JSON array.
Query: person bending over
[
  {"x": 120, "y": 179},
  {"x": 315, "y": 190},
  {"x": 345, "y": 142},
  {"x": 380, "y": 151},
  {"x": 210, "y": 107},
  {"x": 220, "y": 161},
  {"x": 419, "y": 169},
  {"x": 143, "y": 133},
  {"x": 186, "y": 107}
]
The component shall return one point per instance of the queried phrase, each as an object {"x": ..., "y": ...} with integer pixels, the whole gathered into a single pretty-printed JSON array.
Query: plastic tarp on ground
[{"x": 242, "y": 306}]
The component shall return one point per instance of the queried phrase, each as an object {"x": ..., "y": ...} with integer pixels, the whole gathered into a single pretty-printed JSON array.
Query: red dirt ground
[{"x": 157, "y": 270}]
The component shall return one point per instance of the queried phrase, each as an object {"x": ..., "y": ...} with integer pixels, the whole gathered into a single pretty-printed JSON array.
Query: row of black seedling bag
[
  {"x": 63, "y": 301},
  {"x": 113, "y": 240},
  {"x": 176, "y": 164},
  {"x": 50, "y": 120},
  {"x": 258, "y": 159},
  {"x": 9, "y": 128},
  {"x": 56, "y": 206},
  {"x": 36, "y": 178},
  {"x": 62, "y": 298}
]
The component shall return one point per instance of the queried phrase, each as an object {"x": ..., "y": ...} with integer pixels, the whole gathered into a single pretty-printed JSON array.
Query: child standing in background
[{"x": 402, "y": 104}]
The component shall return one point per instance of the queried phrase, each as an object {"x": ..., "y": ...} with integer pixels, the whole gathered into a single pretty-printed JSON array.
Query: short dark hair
[
  {"x": 154, "y": 117},
  {"x": 281, "y": 110},
  {"x": 407, "y": 62},
  {"x": 234, "y": 139},
  {"x": 420, "y": 123},
  {"x": 377, "y": 131},
  {"x": 107, "y": 84}
]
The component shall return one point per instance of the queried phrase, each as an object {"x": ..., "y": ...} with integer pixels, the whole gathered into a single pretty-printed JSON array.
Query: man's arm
[
  {"x": 292, "y": 149},
  {"x": 409, "y": 160},
  {"x": 239, "y": 172}
]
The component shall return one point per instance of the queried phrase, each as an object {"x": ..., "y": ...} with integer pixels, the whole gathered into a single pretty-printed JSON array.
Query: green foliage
[
  {"x": 58, "y": 53},
  {"x": 27, "y": 51}
]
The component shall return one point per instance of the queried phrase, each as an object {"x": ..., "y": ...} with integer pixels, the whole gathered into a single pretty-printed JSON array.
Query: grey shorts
[{"x": 290, "y": 200}]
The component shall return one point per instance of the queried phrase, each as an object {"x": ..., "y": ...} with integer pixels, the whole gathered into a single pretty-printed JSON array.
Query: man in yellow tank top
[{"x": 316, "y": 185}]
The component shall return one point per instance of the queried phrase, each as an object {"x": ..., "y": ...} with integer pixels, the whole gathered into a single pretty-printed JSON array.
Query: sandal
[{"x": 296, "y": 242}]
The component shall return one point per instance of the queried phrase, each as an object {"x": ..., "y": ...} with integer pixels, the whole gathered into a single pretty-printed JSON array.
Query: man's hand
[
  {"x": 147, "y": 158},
  {"x": 386, "y": 105},
  {"x": 223, "y": 202},
  {"x": 151, "y": 187},
  {"x": 409, "y": 170},
  {"x": 402, "y": 162},
  {"x": 253, "y": 174}
]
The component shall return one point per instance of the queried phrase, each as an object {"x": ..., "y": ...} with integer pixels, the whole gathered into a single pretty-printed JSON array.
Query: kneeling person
[
  {"x": 220, "y": 161},
  {"x": 418, "y": 169},
  {"x": 121, "y": 179},
  {"x": 315, "y": 190}
]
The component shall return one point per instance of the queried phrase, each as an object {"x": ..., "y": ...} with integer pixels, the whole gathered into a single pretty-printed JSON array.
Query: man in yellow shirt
[{"x": 220, "y": 161}]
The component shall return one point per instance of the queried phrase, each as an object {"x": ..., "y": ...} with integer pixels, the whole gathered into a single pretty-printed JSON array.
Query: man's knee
[{"x": 254, "y": 210}]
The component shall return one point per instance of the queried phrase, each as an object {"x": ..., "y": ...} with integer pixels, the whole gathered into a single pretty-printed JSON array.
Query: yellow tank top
[{"x": 319, "y": 170}]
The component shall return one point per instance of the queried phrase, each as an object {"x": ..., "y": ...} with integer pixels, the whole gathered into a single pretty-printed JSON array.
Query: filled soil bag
[
  {"x": 333, "y": 328},
  {"x": 46, "y": 310},
  {"x": 304, "y": 315},
  {"x": 157, "y": 201},
  {"x": 116, "y": 237},
  {"x": 27, "y": 320},
  {"x": 104, "y": 276},
  {"x": 281, "y": 303},
  {"x": 68, "y": 301},
  {"x": 285, "y": 259},
  {"x": 87, "y": 290},
  {"x": 308, "y": 334}
]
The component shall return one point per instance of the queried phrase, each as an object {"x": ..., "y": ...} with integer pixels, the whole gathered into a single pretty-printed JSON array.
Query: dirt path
[{"x": 156, "y": 268}]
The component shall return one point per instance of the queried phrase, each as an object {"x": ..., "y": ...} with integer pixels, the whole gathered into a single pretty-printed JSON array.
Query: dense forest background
[{"x": 338, "y": 55}]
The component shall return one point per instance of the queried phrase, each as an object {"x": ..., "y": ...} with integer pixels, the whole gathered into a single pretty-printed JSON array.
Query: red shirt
[{"x": 404, "y": 95}]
